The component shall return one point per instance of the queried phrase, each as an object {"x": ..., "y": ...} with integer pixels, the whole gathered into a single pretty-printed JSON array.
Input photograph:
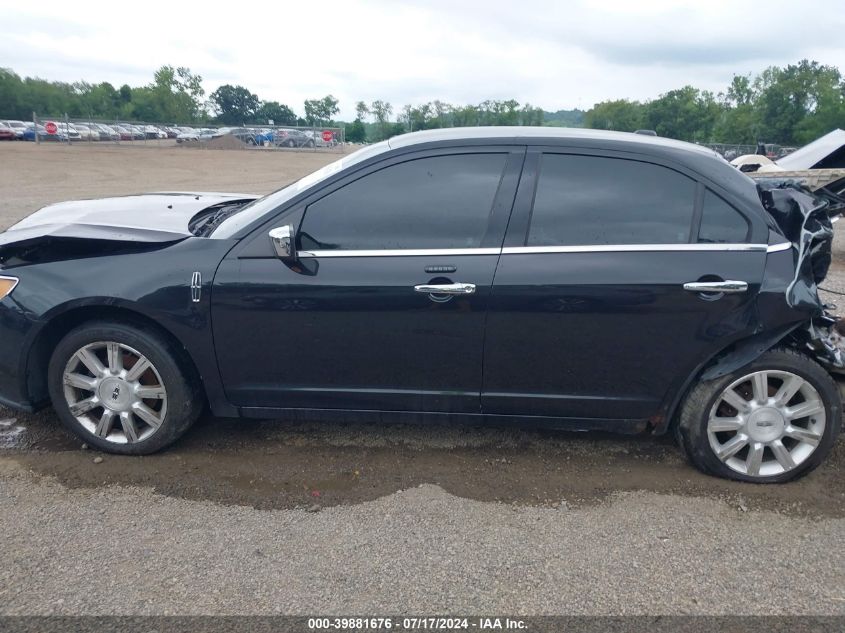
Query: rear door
[
  {"x": 385, "y": 308},
  {"x": 590, "y": 318}
]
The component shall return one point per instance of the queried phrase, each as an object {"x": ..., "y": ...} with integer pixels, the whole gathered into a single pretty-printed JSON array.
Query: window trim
[
  {"x": 255, "y": 245},
  {"x": 544, "y": 250},
  {"x": 497, "y": 216},
  {"x": 700, "y": 207},
  {"x": 520, "y": 222},
  {"x": 694, "y": 181}
]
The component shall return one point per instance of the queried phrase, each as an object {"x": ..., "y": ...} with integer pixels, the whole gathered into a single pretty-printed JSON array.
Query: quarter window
[
  {"x": 589, "y": 200},
  {"x": 720, "y": 222},
  {"x": 436, "y": 202}
]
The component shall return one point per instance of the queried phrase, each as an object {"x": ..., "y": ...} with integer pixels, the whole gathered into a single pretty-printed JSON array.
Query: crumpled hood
[
  {"x": 152, "y": 217},
  {"x": 90, "y": 228}
]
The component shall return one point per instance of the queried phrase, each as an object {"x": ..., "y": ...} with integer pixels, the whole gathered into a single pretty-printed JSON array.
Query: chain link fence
[
  {"x": 731, "y": 151},
  {"x": 64, "y": 129}
]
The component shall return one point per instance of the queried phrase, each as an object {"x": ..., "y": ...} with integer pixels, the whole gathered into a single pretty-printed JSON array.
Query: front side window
[
  {"x": 436, "y": 202},
  {"x": 593, "y": 200}
]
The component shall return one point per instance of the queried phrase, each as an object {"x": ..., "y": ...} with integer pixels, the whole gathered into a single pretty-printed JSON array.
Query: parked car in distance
[
  {"x": 18, "y": 127},
  {"x": 575, "y": 278},
  {"x": 69, "y": 130},
  {"x": 87, "y": 133},
  {"x": 264, "y": 136},
  {"x": 317, "y": 137},
  {"x": 107, "y": 132},
  {"x": 187, "y": 134},
  {"x": 43, "y": 135},
  {"x": 292, "y": 138},
  {"x": 124, "y": 133},
  {"x": 6, "y": 132}
]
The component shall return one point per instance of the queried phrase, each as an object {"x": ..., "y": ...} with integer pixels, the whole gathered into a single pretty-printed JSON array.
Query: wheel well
[
  {"x": 42, "y": 348},
  {"x": 729, "y": 359}
]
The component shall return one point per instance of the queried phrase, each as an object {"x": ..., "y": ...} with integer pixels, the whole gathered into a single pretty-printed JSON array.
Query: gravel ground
[
  {"x": 273, "y": 517},
  {"x": 417, "y": 551}
]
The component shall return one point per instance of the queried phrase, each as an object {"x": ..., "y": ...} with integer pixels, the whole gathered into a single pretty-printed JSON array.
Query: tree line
[{"x": 789, "y": 105}]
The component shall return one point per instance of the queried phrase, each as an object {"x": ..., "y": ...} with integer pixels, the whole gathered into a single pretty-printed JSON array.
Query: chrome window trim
[
  {"x": 412, "y": 252},
  {"x": 776, "y": 248},
  {"x": 540, "y": 250},
  {"x": 630, "y": 248}
]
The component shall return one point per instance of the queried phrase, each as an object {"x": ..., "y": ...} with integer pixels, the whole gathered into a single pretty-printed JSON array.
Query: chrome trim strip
[
  {"x": 538, "y": 250},
  {"x": 776, "y": 248},
  {"x": 433, "y": 252},
  {"x": 632, "y": 248},
  {"x": 15, "y": 281}
]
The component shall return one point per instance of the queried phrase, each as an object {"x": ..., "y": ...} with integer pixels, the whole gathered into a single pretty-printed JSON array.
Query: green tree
[
  {"x": 274, "y": 111},
  {"x": 688, "y": 114},
  {"x": 235, "y": 104},
  {"x": 381, "y": 111},
  {"x": 621, "y": 115},
  {"x": 361, "y": 110},
  {"x": 799, "y": 102},
  {"x": 356, "y": 132},
  {"x": 321, "y": 111}
]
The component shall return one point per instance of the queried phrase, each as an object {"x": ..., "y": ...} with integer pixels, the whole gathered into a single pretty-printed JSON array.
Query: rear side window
[
  {"x": 591, "y": 200},
  {"x": 720, "y": 222},
  {"x": 437, "y": 202}
]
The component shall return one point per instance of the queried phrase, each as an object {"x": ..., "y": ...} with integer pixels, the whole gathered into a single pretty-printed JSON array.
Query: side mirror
[{"x": 283, "y": 240}]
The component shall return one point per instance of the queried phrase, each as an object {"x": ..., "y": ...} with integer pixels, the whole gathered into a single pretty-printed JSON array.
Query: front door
[
  {"x": 590, "y": 317},
  {"x": 385, "y": 308}
]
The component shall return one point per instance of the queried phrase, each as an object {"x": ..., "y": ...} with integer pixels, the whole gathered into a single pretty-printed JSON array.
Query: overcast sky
[{"x": 557, "y": 55}]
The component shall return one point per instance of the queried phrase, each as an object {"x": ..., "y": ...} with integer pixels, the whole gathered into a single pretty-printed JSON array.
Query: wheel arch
[
  {"x": 724, "y": 361},
  {"x": 37, "y": 355}
]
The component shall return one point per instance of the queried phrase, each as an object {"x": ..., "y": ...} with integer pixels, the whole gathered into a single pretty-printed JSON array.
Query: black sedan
[{"x": 578, "y": 279}]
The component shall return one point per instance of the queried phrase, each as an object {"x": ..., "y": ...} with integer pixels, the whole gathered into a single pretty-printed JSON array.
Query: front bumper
[{"x": 15, "y": 329}]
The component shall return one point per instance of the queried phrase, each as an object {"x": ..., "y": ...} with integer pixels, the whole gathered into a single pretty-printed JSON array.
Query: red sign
[
  {"x": 327, "y": 135},
  {"x": 51, "y": 127}
]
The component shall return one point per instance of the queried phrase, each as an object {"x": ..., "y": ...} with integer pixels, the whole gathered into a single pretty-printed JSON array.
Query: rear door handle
[
  {"x": 446, "y": 289},
  {"x": 728, "y": 286}
]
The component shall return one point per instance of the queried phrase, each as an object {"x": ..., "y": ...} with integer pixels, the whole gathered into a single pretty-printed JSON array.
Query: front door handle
[
  {"x": 728, "y": 286},
  {"x": 446, "y": 289}
]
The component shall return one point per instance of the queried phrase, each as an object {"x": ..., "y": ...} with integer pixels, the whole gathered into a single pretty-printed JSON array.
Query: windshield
[{"x": 253, "y": 211}]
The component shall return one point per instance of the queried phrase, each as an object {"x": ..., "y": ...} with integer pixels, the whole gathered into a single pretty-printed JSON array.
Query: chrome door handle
[
  {"x": 728, "y": 286},
  {"x": 446, "y": 289}
]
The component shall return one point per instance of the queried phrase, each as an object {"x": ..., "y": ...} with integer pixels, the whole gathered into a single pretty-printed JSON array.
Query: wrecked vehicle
[{"x": 496, "y": 275}]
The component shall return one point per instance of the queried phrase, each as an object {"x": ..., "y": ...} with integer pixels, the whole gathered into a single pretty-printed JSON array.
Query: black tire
[
  {"x": 185, "y": 400},
  {"x": 691, "y": 429},
  {"x": 311, "y": 143}
]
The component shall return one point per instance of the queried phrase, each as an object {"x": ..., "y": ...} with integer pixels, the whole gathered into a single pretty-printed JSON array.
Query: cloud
[{"x": 552, "y": 54}]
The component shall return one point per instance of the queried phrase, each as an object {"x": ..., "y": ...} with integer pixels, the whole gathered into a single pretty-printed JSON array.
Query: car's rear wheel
[
  {"x": 773, "y": 420},
  {"x": 121, "y": 388}
]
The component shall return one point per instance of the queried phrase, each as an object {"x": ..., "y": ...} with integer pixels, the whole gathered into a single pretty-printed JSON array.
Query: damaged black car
[{"x": 575, "y": 279}]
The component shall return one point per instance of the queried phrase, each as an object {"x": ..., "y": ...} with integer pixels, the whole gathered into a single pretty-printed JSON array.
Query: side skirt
[{"x": 628, "y": 427}]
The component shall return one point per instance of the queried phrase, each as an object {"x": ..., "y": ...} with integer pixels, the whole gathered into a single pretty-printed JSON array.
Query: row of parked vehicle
[
  {"x": 279, "y": 137},
  {"x": 89, "y": 131}
]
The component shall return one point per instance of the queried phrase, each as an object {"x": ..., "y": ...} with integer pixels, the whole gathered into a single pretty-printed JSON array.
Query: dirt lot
[
  {"x": 274, "y": 517},
  {"x": 37, "y": 175}
]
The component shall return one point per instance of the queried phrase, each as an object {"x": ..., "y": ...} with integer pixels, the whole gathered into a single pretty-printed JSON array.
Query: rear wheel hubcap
[{"x": 766, "y": 423}]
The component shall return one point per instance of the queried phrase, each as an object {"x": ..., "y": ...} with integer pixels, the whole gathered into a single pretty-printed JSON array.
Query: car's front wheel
[
  {"x": 771, "y": 421},
  {"x": 121, "y": 388}
]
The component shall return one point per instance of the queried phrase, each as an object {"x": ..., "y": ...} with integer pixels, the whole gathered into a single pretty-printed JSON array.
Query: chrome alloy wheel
[
  {"x": 115, "y": 392},
  {"x": 766, "y": 423}
]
